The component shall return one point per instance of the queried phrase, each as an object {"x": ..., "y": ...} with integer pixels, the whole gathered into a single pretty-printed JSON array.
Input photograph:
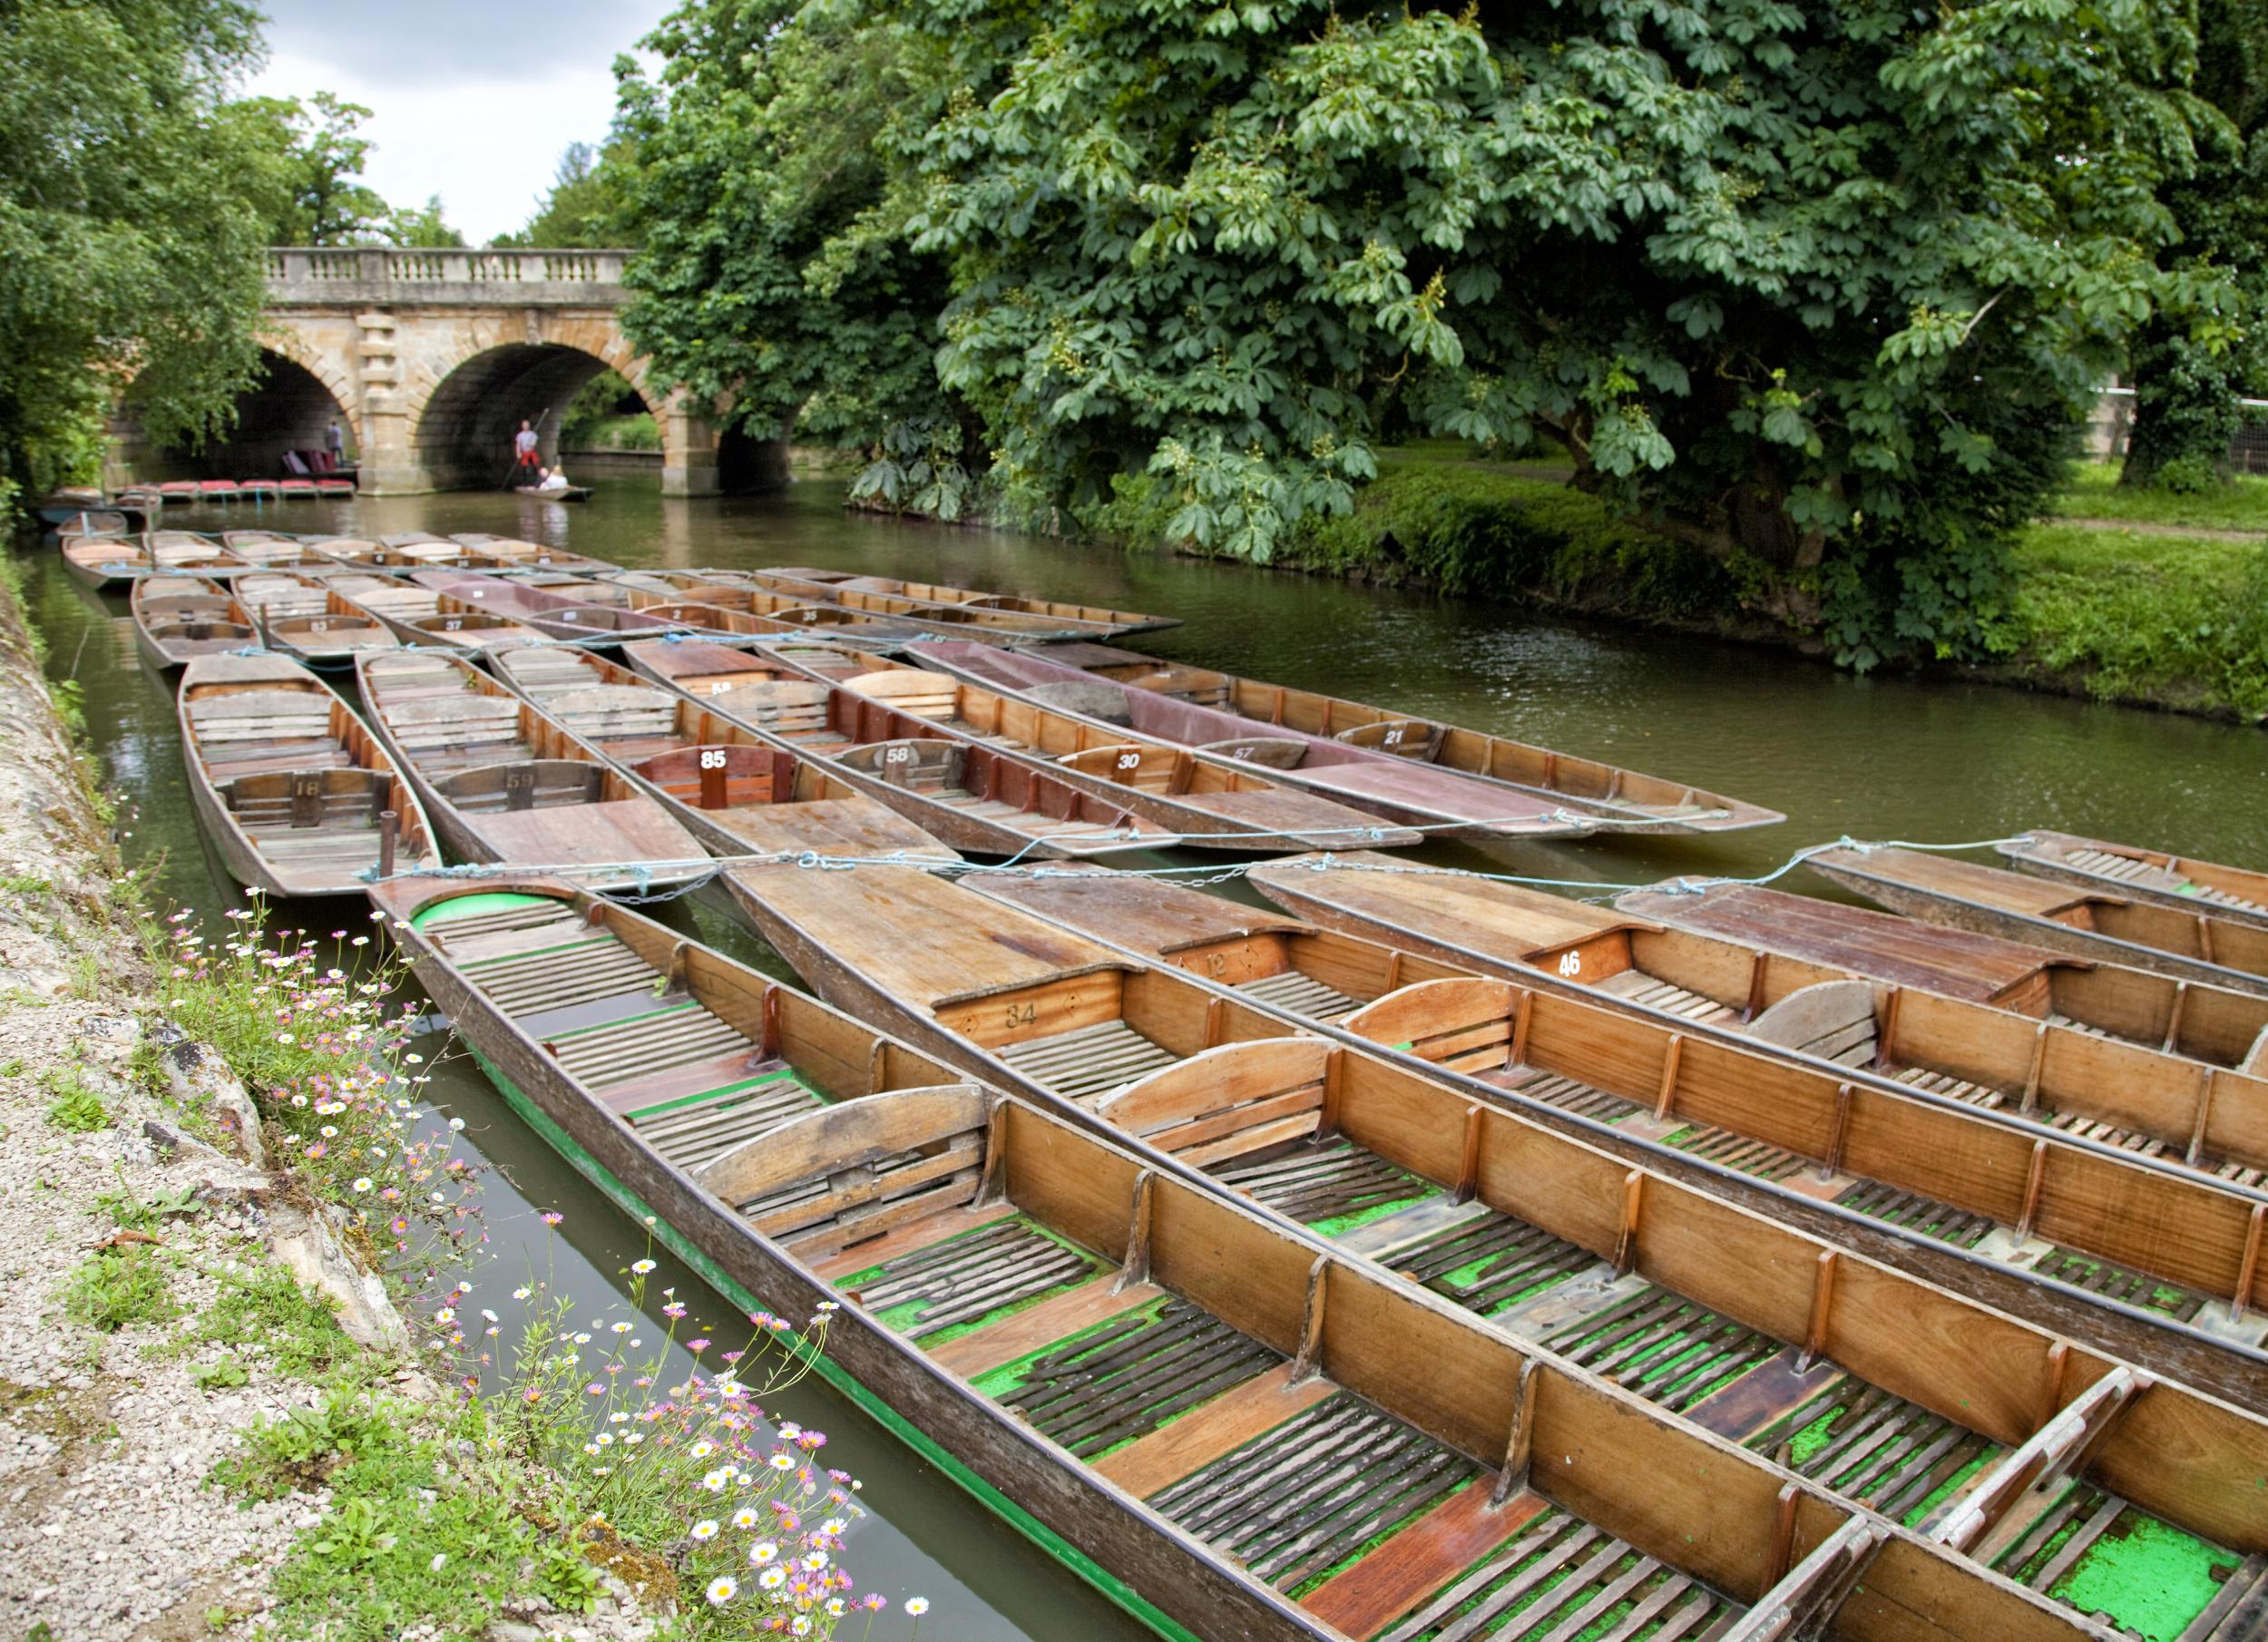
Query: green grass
[
  {"x": 2177, "y": 621},
  {"x": 115, "y": 1287},
  {"x": 2093, "y": 492},
  {"x": 72, "y": 1106}
]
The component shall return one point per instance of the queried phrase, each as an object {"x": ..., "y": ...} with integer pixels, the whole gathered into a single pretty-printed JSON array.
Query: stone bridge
[{"x": 431, "y": 358}]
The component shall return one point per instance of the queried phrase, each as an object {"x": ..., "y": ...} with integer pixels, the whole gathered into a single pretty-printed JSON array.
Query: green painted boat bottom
[{"x": 1062, "y": 1550}]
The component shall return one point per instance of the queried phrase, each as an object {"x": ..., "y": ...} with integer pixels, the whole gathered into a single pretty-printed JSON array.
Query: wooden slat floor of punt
[
  {"x": 1916, "y": 1212},
  {"x": 1663, "y": 1347},
  {"x": 1088, "y": 1061},
  {"x": 1319, "y": 1181},
  {"x": 1566, "y": 1093},
  {"x": 1743, "y": 1152},
  {"x": 2097, "y": 1552},
  {"x": 1750, "y": 1156},
  {"x": 1492, "y": 1264},
  {"x": 1953, "y": 1088},
  {"x": 1118, "y": 1382},
  {"x": 2126, "y": 869},
  {"x": 969, "y": 1277},
  {"x": 2113, "y": 1282},
  {"x": 1636, "y": 986},
  {"x": 2071, "y": 1123},
  {"x": 1878, "y": 1450},
  {"x": 690, "y": 1132},
  {"x": 1301, "y": 996},
  {"x": 1299, "y": 1500},
  {"x": 1563, "y": 1579}
]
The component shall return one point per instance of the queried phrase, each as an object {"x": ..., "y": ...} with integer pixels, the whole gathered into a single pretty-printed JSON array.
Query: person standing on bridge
[{"x": 523, "y": 444}]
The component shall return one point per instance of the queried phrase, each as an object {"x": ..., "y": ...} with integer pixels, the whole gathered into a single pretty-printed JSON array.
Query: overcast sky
[{"x": 472, "y": 100}]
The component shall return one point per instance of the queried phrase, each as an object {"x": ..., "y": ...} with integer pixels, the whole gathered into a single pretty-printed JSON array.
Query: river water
[{"x": 1867, "y": 758}]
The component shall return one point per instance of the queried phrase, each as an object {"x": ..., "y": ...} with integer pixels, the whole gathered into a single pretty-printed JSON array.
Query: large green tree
[
  {"x": 774, "y": 276},
  {"x": 316, "y": 155},
  {"x": 2196, "y": 358},
  {"x": 585, "y": 203},
  {"x": 133, "y": 206},
  {"x": 1819, "y": 287}
]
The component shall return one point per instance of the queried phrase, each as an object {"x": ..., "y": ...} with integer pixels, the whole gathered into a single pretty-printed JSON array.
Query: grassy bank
[{"x": 2112, "y": 599}]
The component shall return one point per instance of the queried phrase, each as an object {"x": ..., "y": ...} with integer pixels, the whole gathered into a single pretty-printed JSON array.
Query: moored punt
[
  {"x": 755, "y": 613},
  {"x": 289, "y": 783},
  {"x": 704, "y": 667},
  {"x": 108, "y": 523},
  {"x": 1210, "y": 806},
  {"x": 279, "y": 592},
  {"x": 416, "y": 615},
  {"x": 501, "y": 782},
  {"x": 177, "y": 618},
  {"x": 2147, "y": 874},
  {"x": 1400, "y": 789},
  {"x": 556, "y": 613},
  {"x": 735, "y": 791},
  {"x": 976, "y": 799},
  {"x": 1118, "y": 622},
  {"x": 512, "y": 550},
  {"x": 103, "y": 562},
  {"x": 59, "y": 506},
  {"x": 419, "y": 554},
  {"x": 764, "y": 604},
  {"x": 2216, "y": 1025},
  {"x": 561, "y": 493},
  {"x": 1267, "y": 1437},
  {"x": 995, "y": 617},
  {"x": 2046, "y": 1226},
  {"x": 1578, "y": 782},
  {"x": 1987, "y": 1033},
  {"x": 2191, "y": 944}
]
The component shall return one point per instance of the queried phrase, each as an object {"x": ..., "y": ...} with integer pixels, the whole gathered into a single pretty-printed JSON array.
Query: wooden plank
[
  {"x": 1367, "y": 1597},
  {"x": 1058, "y": 1317},
  {"x": 1198, "y": 1438}
]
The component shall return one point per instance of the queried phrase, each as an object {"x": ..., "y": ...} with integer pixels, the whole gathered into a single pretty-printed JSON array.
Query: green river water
[{"x": 1871, "y": 758}]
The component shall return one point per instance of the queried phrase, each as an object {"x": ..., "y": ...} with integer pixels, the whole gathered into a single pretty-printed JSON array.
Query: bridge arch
[
  {"x": 291, "y": 404},
  {"x": 462, "y": 425}
]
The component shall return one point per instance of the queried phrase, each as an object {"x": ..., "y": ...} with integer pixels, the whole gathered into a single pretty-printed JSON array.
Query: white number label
[
  {"x": 718, "y": 688},
  {"x": 319, "y": 626},
  {"x": 1241, "y": 753},
  {"x": 712, "y": 757},
  {"x": 1393, "y": 737},
  {"x": 1129, "y": 760},
  {"x": 899, "y": 754},
  {"x": 450, "y": 625},
  {"x": 1570, "y": 963}
]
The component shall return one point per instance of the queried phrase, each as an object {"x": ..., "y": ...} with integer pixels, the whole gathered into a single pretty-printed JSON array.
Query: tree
[
  {"x": 585, "y": 204},
  {"x": 2194, "y": 363},
  {"x": 133, "y": 208},
  {"x": 318, "y": 161},
  {"x": 773, "y": 275},
  {"x": 421, "y": 228}
]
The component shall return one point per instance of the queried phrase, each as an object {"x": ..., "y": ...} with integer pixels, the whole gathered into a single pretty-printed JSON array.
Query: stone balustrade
[{"x": 298, "y": 275}]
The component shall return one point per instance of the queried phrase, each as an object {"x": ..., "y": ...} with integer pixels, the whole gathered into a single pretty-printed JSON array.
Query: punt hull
[{"x": 2158, "y": 876}]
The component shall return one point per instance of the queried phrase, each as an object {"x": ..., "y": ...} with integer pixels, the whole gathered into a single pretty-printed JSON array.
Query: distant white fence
[{"x": 300, "y": 275}]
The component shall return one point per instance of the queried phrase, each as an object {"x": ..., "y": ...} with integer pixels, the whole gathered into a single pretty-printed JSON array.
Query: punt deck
[
  {"x": 883, "y": 596},
  {"x": 177, "y": 618},
  {"x": 1120, "y": 623},
  {"x": 2154, "y": 875},
  {"x": 2193, "y": 944}
]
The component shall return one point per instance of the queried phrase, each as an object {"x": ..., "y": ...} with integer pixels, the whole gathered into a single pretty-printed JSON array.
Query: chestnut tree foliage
[{"x": 1818, "y": 286}]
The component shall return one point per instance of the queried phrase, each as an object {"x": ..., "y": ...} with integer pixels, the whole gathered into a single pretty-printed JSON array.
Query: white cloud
[{"x": 475, "y": 105}]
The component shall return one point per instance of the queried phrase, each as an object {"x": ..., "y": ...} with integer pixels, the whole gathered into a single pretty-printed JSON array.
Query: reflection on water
[{"x": 1881, "y": 759}]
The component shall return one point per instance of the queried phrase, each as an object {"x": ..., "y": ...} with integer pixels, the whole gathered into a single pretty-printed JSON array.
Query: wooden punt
[
  {"x": 177, "y": 618},
  {"x": 513, "y": 549},
  {"x": 59, "y": 506},
  {"x": 2234, "y": 893},
  {"x": 737, "y": 792},
  {"x": 1118, "y": 622},
  {"x": 398, "y": 558},
  {"x": 103, "y": 562},
  {"x": 2037, "y": 1224},
  {"x": 881, "y": 596},
  {"x": 279, "y": 592},
  {"x": 502, "y": 782},
  {"x": 1266, "y": 1436},
  {"x": 2216, "y": 1025},
  {"x": 2191, "y": 944},
  {"x": 429, "y": 621},
  {"x": 289, "y": 783},
  {"x": 107, "y": 522},
  {"x": 1580, "y": 783},
  {"x": 563, "y": 493},
  {"x": 268, "y": 551},
  {"x": 977, "y": 799},
  {"x": 739, "y": 612},
  {"x": 1402, "y": 790},
  {"x": 704, "y": 667},
  {"x": 1989, "y": 1025},
  {"x": 764, "y": 604},
  {"x": 555, "y": 614},
  {"x": 1210, "y": 806},
  {"x": 330, "y": 638}
]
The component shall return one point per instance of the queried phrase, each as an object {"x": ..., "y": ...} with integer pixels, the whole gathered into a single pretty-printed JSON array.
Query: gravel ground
[{"x": 106, "y": 1529}]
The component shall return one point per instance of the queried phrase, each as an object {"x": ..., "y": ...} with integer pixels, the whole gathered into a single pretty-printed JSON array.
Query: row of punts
[{"x": 1419, "y": 1256}]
